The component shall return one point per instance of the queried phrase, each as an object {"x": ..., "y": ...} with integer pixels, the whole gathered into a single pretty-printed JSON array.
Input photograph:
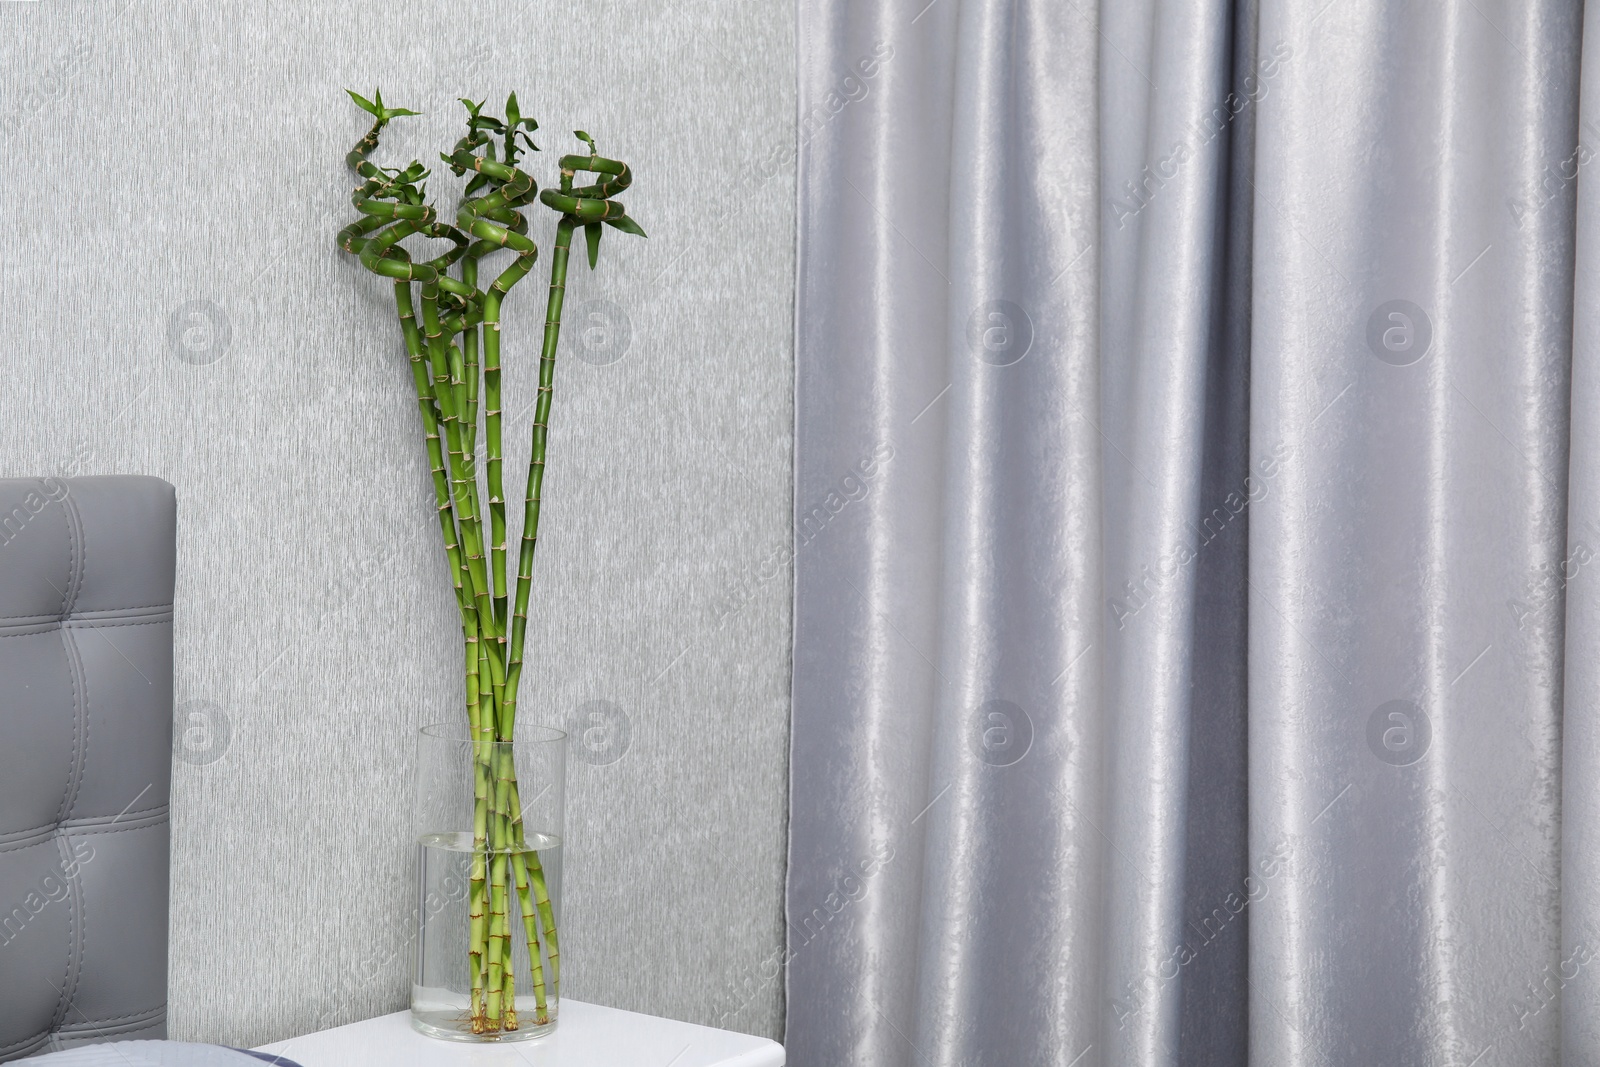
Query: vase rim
[{"x": 525, "y": 734}]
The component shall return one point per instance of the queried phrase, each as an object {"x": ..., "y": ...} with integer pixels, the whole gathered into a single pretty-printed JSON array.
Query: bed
[{"x": 86, "y": 590}]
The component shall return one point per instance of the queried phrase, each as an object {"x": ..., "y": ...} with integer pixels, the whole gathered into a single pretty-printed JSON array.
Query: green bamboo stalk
[
  {"x": 588, "y": 206},
  {"x": 530, "y": 930},
  {"x": 541, "y": 898},
  {"x": 497, "y": 493},
  {"x": 492, "y": 412},
  {"x": 486, "y": 948},
  {"x": 483, "y": 802},
  {"x": 440, "y": 295},
  {"x": 469, "y": 353},
  {"x": 465, "y": 486},
  {"x": 502, "y": 842},
  {"x": 477, "y": 216},
  {"x": 510, "y": 186},
  {"x": 477, "y": 931},
  {"x": 430, "y": 425},
  {"x": 497, "y": 936},
  {"x": 532, "y": 871},
  {"x": 499, "y": 1010},
  {"x": 536, "y": 461}
]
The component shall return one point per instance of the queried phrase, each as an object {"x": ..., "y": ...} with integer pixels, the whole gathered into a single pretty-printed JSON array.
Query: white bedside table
[{"x": 587, "y": 1036}]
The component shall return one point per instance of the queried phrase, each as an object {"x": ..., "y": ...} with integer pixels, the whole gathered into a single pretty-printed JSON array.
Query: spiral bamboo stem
[
  {"x": 452, "y": 334},
  {"x": 588, "y": 206}
]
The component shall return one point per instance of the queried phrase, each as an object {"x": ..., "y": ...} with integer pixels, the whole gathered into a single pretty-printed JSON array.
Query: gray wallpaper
[{"x": 171, "y": 177}]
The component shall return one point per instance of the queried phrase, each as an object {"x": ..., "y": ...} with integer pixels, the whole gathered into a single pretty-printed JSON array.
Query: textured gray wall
[{"x": 171, "y": 177}]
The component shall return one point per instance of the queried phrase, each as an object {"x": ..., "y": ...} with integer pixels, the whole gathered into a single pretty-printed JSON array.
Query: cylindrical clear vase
[{"x": 489, "y": 822}]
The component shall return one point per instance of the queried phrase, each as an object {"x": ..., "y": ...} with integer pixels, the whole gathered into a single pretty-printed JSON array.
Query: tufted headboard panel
[{"x": 86, "y": 578}]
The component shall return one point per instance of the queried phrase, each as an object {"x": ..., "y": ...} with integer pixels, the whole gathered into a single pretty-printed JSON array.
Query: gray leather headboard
[{"x": 86, "y": 572}]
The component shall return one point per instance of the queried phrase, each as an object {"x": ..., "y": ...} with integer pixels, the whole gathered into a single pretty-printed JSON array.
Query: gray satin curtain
[{"x": 1198, "y": 534}]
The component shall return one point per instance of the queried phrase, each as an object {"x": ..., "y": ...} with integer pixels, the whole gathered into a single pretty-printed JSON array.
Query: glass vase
[{"x": 489, "y": 823}]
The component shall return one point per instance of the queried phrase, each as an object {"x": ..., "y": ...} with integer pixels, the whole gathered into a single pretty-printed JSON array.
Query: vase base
[{"x": 457, "y": 1026}]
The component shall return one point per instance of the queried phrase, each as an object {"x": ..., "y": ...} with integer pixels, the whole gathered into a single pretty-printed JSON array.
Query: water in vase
[{"x": 524, "y": 886}]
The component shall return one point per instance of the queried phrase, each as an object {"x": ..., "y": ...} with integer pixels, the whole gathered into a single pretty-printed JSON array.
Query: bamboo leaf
[
  {"x": 363, "y": 103},
  {"x": 478, "y": 182},
  {"x": 513, "y": 113},
  {"x": 627, "y": 225},
  {"x": 586, "y": 139},
  {"x": 591, "y": 233},
  {"x": 529, "y": 142}
]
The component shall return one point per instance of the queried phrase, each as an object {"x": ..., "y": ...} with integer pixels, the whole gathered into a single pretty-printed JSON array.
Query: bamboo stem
[
  {"x": 430, "y": 428},
  {"x": 531, "y": 871},
  {"x": 589, "y": 206},
  {"x": 547, "y": 918},
  {"x": 530, "y": 930},
  {"x": 536, "y": 460}
]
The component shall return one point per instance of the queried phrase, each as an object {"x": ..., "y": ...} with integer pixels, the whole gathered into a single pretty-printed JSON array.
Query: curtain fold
[
  {"x": 1573, "y": 973},
  {"x": 1193, "y": 642}
]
